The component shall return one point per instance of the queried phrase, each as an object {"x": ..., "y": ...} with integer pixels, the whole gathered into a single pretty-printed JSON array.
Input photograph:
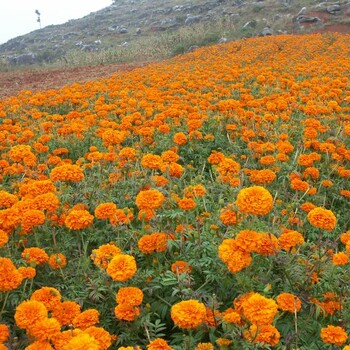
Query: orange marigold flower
[
  {"x": 188, "y": 314},
  {"x": 340, "y": 259},
  {"x": 126, "y": 312},
  {"x": 65, "y": 312},
  {"x": 159, "y": 180},
  {"x": 38, "y": 345},
  {"x": 86, "y": 319},
  {"x": 248, "y": 240},
  {"x": 259, "y": 310},
  {"x": 10, "y": 277},
  {"x": 216, "y": 157},
  {"x": 67, "y": 172},
  {"x": 333, "y": 335},
  {"x": 345, "y": 237},
  {"x": 231, "y": 316},
  {"x": 195, "y": 191},
  {"x": 290, "y": 239},
  {"x": 57, "y": 261},
  {"x": 4, "y": 238},
  {"x": 34, "y": 255},
  {"x": 307, "y": 206},
  {"x": 103, "y": 337},
  {"x": 262, "y": 177},
  {"x": 180, "y": 139},
  {"x": 4, "y": 333},
  {"x": 204, "y": 346},
  {"x": 227, "y": 216},
  {"x": 31, "y": 218},
  {"x": 29, "y": 312},
  {"x": 45, "y": 329},
  {"x": 151, "y": 161},
  {"x": 186, "y": 204},
  {"x": 173, "y": 169},
  {"x": 288, "y": 302},
  {"x": 223, "y": 342},
  {"x": 9, "y": 219},
  {"x": 104, "y": 254},
  {"x": 49, "y": 296},
  {"x": 46, "y": 201},
  {"x": 146, "y": 214},
  {"x": 228, "y": 167},
  {"x": 129, "y": 295},
  {"x": 7, "y": 200},
  {"x": 105, "y": 210},
  {"x": 82, "y": 341},
  {"x": 266, "y": 334},
  {"x": 254, "y": 200},
  {"x": 267, "y": 244},
  {"x": 27, "y": 272},
  {"x": 78, "y": 219},
  {"x": 179, "y": 267},
  {"x": 149, "y": 199},
  {"x": 122, "y": 267},
  {"x": 322, "y": 218},
  {"x": 158, "y": 344}
]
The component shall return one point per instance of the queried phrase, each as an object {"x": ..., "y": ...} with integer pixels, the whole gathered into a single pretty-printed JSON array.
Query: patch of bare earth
[{"x": 39, "y": 79}]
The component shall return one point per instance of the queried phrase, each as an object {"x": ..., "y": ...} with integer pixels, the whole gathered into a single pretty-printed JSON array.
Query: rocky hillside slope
[{"x": 130, "y": 22}]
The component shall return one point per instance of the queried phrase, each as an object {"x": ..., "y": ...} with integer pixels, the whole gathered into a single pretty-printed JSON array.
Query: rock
[
  {"x": 250, "y": 24},
  {"x": 123, "y": 30},
  {"x": 26, "y": 58},
  {"x": 138, "y": 31},
  {"x": 192, "y": 48},
  {"x": 192, "y": 19},
  {"x": 267, "y": 31},
  {"x": 222, "y": 40},
  {"x": 307, "y": 19},
  {"x": 333, "y": 9}
]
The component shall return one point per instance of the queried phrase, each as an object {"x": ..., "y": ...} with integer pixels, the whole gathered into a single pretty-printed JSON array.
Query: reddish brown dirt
[{"x": 39, "y": 79}]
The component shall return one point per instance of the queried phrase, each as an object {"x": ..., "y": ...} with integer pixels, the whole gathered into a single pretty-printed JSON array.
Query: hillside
[{"x": 144, "y": 30}]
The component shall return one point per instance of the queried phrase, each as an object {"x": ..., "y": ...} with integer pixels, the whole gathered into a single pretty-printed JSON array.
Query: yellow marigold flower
[
  {"x": 49, "y": 296},
  {"x": 29, "y": 312},
  {"x": 67, "y": 172},
  {"x": 4, "y": 333},
  {"x": 86, "y": 319},
  {"x": 188, "y": 314},
  {"x": 82, "y": 341},
  {"x": 45, "y": 329},
  {"x": 103, "y": 337},
  {"x": 104, "y": 254},
  {"x": 333, "y": 335},
  {"x": 149, "y": 199},
  {"x": 322, "y": 218},
  {"x": 126, "y": 312},
  {"x": 35, "y": 255},
  {"x": 57, "y": 261},
  {"x": 254, "y": 200},
  {"x": 204, "y": 346},
  {"x": 266, "y": 334},
  {"x": 65, "y": 312},
  {"x": 259, "y": 310},
  {"x": 290, "y": 239},
  {"x": 158, "y": 344},
  {"x": 122, "y": 267},
  {"x": 340, "y": 258},
  {"x": 129, "y": 295},
  {"x": 78, "y": 219},
  {"x": 288, "y": 302}
]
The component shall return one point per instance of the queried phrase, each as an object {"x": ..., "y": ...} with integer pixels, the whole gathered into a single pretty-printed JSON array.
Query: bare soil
[{"x": 12, "y": 82}]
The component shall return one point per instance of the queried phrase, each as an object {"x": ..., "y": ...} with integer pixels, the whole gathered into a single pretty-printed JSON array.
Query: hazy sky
[{"x": 17, "y": 17}]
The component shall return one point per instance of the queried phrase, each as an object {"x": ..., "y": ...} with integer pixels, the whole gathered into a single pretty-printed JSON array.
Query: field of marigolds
[{"x": 197, "y": 203}]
